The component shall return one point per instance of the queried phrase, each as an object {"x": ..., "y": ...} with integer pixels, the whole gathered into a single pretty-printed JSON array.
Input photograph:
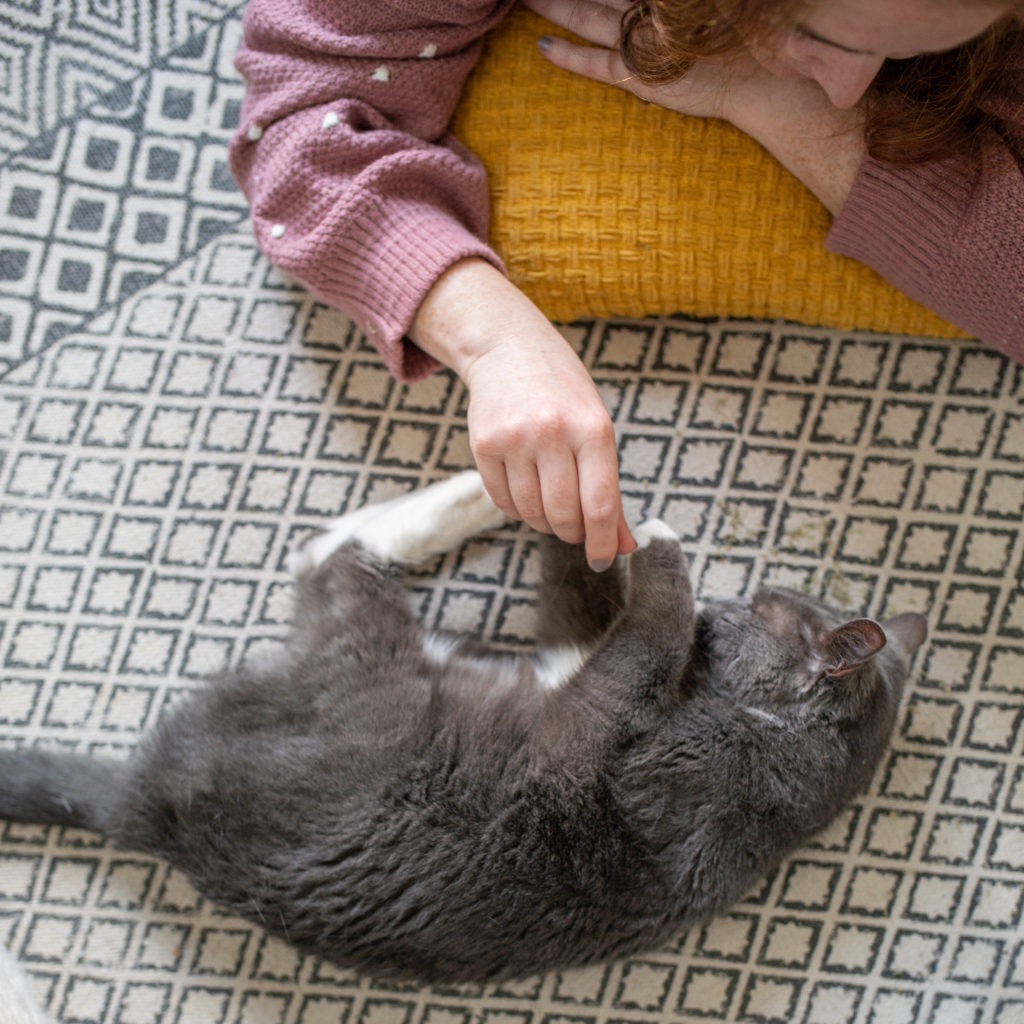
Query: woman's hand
[
  {"x": 701, "y": 92},
  {"x": 791, "y": 117},
  {"x": 539, "y": 432}
]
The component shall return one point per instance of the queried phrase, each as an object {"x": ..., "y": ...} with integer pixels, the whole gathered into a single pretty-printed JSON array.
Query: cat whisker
[{"x": 259, "y": 912}]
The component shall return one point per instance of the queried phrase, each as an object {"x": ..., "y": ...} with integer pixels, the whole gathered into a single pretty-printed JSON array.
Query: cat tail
[{"x": 61, "y": 789}]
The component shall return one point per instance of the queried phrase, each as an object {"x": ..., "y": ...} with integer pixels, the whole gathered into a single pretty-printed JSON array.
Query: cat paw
[
  {"x": 302, "y": 559},
  {"x": 311, "y": 552},
  {"x": 433, "y": 521},
  {"x": 653, "y": 529},
  {"x": 410, "y": 528},
  {"x": 315, "y": 549}
]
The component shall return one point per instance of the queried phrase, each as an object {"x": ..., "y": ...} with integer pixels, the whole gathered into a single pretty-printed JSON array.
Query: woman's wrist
[{"x": 469, "y": 310}]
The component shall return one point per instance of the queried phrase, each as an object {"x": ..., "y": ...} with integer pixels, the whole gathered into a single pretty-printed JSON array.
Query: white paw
[
  {"x": 299, "y": 561},
  {"x": 653, "y": 529},
  {"x": 555, "y": 666},
  {"x": 431, "y": 521},
  {"x": 409, "y": 528},
  {"x": 319, "y": 546}
]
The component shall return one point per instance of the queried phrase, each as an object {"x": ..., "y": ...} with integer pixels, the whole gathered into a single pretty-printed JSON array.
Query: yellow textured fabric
[{"x": 605, "y": 205}]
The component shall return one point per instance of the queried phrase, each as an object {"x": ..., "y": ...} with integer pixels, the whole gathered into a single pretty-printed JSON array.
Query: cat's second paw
[
  {"x": 409, "y": 528},
  {"x": 305, "y": 556},
  {"x": 654, "y": 529}
]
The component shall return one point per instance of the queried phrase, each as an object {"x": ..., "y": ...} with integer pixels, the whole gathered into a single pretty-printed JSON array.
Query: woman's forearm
[{"x": 538, "y": 430}]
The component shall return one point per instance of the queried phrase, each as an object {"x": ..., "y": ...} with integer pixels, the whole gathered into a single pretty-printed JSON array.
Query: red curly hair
[{"x": 916, "y": 110}]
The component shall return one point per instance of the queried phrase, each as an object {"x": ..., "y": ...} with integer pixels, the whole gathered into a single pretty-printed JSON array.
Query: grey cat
[{"x": 404, "y": 804}]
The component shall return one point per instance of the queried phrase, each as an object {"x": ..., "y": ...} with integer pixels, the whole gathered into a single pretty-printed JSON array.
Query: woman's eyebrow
[{"x": 811, "y": 34}]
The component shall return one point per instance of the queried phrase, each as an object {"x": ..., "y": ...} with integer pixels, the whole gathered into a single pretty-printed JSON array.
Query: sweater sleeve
[
  {"x": 949, "y": 235},
  {"x": 355, "y": 185}
]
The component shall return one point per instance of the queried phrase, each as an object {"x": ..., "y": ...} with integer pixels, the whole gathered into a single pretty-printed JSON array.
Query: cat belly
[{"x": 551, "y": 667}]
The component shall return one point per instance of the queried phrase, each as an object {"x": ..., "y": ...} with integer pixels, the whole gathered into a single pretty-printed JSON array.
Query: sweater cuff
[
  {"x": 901, "y": 225},
  {"x": 379, "y": 272}
]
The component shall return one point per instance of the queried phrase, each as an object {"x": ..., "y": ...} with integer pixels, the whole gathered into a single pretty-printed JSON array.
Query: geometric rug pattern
[
  {"x": 112, "y": 194},
  {"x": 175, "y": 414},
  {"x": 58, "y": 58},
  {"x": 158, "y": 463}
]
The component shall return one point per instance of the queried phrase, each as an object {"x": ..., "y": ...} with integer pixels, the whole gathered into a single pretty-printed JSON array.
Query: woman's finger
[
  {"x": 607, "y": 535},
  {"x": 561, "y": 493},
  {"x": 703, "y": 96},
  {"x": 492, "y": 472},
  {"x": 524, "y": 486},
  {"x": 596, "y": 22},
  {"x": 589, "y": 61}
]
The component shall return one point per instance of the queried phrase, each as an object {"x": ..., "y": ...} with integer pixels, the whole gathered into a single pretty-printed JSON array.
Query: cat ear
[
  {"x": 849, "y": 646},
  {"x": 907, "y": 631}
]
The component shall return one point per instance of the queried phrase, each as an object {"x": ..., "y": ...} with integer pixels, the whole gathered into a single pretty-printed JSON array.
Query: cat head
[{"x": 786, "y": 652}]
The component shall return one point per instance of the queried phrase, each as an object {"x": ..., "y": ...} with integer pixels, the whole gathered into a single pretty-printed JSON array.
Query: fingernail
[
  {"x": 600, "y": 564},
  {"x": 544, "y": 43}
]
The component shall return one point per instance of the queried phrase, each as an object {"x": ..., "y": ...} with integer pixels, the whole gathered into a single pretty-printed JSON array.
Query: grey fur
[{"x": 458, "y": 821}]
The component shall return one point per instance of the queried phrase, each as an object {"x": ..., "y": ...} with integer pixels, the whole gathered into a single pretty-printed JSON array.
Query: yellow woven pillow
[{"x": 605, "y": 205}]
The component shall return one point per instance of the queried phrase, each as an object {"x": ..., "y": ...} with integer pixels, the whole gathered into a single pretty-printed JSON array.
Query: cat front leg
[
  {"x": 410, "y": 528},
  {"x": 577, "y": 605},
  {"x": 579, "y": 608},
  {"x": 652, "y": 530},
  {"x": 632, "y": 676},
  {"x": 659, "y": 591},
  {"x": 650, "y": 642}
]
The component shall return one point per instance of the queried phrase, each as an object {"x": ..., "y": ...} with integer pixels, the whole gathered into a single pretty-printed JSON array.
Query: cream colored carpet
[{"x": 172, "y": 413}]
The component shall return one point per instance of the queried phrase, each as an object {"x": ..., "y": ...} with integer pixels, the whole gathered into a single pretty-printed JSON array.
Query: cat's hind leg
[
  {"x": 18, "y": 1003},
  {"x": 343, "y": 572},
  {"x": 410, "y": 528}
]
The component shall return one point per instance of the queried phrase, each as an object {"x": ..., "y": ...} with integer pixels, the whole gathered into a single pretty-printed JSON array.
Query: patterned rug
[{"x": 173, "y": 413}]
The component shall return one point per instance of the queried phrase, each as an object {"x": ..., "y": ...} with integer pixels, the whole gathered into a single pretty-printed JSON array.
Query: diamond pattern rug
[{"x": 173, "y": 413}]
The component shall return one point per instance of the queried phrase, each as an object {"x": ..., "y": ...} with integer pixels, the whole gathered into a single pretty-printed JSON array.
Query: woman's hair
[{"x": 916, "y": 110}]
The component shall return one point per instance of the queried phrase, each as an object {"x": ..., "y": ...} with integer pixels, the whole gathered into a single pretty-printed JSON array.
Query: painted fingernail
[
  {"x": 544, "y": 43},
  {"x": 600, "y": 564}
]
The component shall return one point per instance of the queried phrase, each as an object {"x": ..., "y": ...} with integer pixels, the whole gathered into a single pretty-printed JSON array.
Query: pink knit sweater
[{"x": 359, "y": 191}]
